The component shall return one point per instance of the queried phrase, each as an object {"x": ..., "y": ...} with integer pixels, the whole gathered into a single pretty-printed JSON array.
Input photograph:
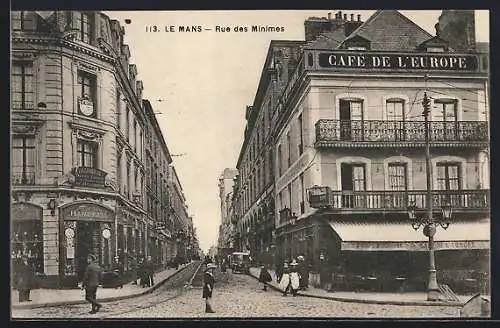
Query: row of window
[
  {"x": 353, "y": 178},
  {"x": 82, "y": 23},
  {"x": 352, "y": 110}
]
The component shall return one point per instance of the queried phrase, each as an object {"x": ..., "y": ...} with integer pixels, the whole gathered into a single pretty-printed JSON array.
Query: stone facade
[{"x": 79, "y": 126}]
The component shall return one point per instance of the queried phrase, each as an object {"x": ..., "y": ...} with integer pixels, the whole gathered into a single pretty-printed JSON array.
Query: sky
[{"x": 202, "y": 82}]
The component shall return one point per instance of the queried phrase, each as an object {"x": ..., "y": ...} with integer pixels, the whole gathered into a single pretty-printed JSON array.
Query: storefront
[
  {"x": 27, "y": 234},
  {"x": 378, "y": 256},
  {"x": 86, "y": 228}
]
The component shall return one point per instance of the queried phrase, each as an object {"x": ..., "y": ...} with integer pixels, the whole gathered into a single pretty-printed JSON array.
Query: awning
[{"x": 363, "y": 236}]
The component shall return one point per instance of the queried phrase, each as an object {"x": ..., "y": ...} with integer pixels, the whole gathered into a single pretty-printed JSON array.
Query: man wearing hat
[
  {"x": 208, "y": 287},
  {"x": 91, "y": 281}
]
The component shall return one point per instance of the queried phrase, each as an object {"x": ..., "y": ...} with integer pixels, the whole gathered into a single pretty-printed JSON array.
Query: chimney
[
  {"x": 352, "y": 17},
  {"x": 458, "y": 28},
  {"x": 345, "y": 17},
  {"x": 359, "y": 18},
  {"x": 314, "y": 26}
]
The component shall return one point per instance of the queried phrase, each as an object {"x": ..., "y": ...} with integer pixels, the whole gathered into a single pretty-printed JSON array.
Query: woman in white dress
[
  {"x": 285, "y": 279},
  {"x": 294, "y": 278}
]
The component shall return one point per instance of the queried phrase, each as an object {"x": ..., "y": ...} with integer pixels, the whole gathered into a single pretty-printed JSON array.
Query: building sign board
[
  {"x": 88, "y": 177},
  {"x": 88, "y": 212},
  {"x": 399, "y": 61},
  {"x": 413, "y": 245},
  {"x": 25, "y": 211}
]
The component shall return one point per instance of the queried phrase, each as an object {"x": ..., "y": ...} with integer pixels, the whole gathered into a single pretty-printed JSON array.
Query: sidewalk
[
  {"x": 367, "y": 297},
  {"x": 54, "y": 297}
]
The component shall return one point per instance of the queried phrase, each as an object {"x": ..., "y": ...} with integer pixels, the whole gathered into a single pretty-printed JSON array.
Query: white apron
[
  {"x": 285, "y": 280},
  {"x": 294, "y": 277}
]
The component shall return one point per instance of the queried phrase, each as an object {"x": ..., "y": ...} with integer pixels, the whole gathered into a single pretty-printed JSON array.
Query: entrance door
[
  {"x": 353, "y": 180},
  {"x": 351, "y": 120},
  {"x": 87, "y": 242}
]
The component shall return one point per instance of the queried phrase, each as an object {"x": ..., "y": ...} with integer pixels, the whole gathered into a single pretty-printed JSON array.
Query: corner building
[
  {"x": 350, "y": 155},
  {"x": 77, "y": 147}
]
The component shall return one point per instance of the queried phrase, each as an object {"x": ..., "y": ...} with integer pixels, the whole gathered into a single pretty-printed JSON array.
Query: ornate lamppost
[{"x": 429, "y": 221}]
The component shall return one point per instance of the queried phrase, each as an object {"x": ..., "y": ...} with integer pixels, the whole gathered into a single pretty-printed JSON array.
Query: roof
[
  {"x": 328, "y": 40},
  {"x": 389, "y": 30},
  {"x": 483, "y": 47}
]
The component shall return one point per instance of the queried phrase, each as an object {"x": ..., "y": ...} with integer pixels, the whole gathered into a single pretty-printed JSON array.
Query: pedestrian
[
  {"x": 285, "y": 279},
  {"x": 150, "y": 271},
  {"x": 294, "y": 278},
  {"x": 25, "y": 279},
  {"x": 134, "y": 268},
  {"x": 143, "y": 272},
  {"x": 91, "y": 281},
  {"x": 303, "y": 269},
  {"x": 264, "y": 277},
  {"x": 325, "y": 275},
  {"x": 208, "y": 287},
  {"x": 118, "y": 272},
  {"x": 279, "y": 271},
  {"x": 223, "y": 266}
]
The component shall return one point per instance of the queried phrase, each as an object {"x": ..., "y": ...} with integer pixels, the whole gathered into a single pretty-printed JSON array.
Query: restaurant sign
[
  {"x": 88, "y": 212},
  {"x": 88, "y": 177},
  {"x": 399, "y": 61}
]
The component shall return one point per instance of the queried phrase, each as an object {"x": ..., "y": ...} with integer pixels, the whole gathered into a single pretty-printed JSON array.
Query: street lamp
[{"x": 428, "y": 222}]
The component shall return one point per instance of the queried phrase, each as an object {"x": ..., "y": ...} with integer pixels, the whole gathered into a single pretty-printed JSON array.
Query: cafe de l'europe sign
[{"x": 399, "y": 61}]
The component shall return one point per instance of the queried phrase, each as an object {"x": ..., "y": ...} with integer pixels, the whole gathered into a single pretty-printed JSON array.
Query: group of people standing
[{"x": 292, "y": 276}]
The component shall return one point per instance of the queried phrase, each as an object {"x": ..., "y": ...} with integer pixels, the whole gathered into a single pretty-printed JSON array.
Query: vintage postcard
[{"x": 250, "y": 164}]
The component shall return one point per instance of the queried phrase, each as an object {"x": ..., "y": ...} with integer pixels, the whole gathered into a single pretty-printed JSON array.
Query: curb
[
  {"x": 355, "y": 300},
  {"x": 103, "y": 300}
]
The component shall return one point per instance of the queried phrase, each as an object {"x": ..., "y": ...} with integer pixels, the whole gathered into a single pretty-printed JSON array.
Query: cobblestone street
[{"x": 236, "y": 295}]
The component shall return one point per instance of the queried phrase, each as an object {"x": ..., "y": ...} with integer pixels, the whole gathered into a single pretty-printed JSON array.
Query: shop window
[
  {"x": 23, "y": 159},
  {"x": 87, "y": 153},
  {"x": 22, "y": 90},
  {"x": 27, "y": 240}
]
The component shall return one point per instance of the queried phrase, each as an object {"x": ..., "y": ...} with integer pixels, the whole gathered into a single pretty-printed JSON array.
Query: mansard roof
[{"x": 389, "y": 30}]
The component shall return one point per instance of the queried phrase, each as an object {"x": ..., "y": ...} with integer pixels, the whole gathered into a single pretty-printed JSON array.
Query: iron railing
[
  {"x": 324, "y": 197},
  {"x": 399, "y": 131},
  {"x": 27, "y": 178}
]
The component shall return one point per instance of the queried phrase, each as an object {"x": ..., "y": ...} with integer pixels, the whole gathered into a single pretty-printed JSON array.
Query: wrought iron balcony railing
[
  {"x": 22, "y": 105},
  {"x": 27, "y": 178},
  {"x": 328, "y": 131},
  {"x": 324, "y": 197}
]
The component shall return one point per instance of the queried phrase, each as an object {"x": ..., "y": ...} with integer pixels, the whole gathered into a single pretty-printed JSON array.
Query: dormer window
[
  {"x": 435, "y": 49},
  {"x": 356, "y": 48}
]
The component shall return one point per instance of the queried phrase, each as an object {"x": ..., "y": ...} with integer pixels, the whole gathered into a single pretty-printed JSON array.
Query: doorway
[
  {"x": 88, "y": 241},
  {"x": 351, "y": 119}
]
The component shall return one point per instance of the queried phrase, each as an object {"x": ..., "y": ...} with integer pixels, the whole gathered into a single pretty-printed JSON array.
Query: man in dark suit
[
  {"x": 91, "y": 280},
  {"x": 208, "y": 287},
  {"x": 25, "y": 278}
]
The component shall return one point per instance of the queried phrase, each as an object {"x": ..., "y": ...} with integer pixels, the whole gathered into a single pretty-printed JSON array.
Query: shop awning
[{"x": 363, "y": 236}]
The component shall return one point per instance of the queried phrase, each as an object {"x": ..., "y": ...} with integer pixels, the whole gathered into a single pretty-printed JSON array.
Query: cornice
[{"x": 56, "y": 41}]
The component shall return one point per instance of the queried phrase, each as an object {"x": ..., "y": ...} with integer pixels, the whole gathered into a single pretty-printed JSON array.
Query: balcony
[
  {"x": 369, "y": 133},
  {"x": 369, "y": 201},
  {"x": 27, "y": 178},
  {"x": 22, "y": 105}
]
